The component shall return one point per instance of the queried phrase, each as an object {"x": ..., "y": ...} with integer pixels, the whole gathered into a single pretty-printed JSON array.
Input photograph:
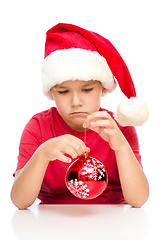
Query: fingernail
[
  {"x": 92, "y": 123},
  {"x": 88, "y": 149},
  {"x": 89, "y": 116},
  {"x": 84, "y": 125},
  {"x": 106, "y": 130}
]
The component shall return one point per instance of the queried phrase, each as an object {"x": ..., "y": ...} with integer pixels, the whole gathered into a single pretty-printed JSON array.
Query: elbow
[
  {"x": 18, "y": 204},
  {"x": 138, "y": 201},
  {"x": 21, "y": 205},
  {"x": 137, "y": 204},
  {"x": 137, "y": 197}
]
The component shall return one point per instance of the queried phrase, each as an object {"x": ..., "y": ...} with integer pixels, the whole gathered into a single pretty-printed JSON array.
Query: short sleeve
[
  {"x": 30, "y": 140},
  {"x": 131, "y": 136}
]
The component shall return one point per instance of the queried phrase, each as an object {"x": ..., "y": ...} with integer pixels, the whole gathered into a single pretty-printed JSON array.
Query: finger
[
  {"x": 80, "y": 148},
  {"x": 102, "y": 123},
  {"x": 87, "y": 123},
  {"x": 78, "y": 145},
  {"x": 74, "y": 154},
  {"x": 71, "y": 151},
  {"x": 99, "y": 114},
  {"x": 111, "y": 132},
  {"x": 63, "y": 158},
  {"x": 95, "y": 128},
  {"x": 87, "y": 149},
  {"x": 96, "y": 116}
]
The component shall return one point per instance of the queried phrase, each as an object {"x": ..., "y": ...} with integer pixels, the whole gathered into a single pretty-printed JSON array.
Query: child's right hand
[{"x": 55, "y": 148}]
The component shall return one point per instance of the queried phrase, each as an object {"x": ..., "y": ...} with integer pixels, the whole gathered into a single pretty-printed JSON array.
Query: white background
[{"x": 134, "y": 27}]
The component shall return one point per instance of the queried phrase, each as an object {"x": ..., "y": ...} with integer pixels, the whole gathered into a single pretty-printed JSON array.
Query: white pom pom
[{"x": 132, "y": 112}]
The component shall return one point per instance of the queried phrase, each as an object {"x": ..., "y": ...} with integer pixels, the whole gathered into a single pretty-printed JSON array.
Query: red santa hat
[{"x": 74, "y": 53}]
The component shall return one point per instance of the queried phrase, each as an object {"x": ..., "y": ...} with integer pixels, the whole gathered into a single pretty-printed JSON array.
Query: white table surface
[{"x": 81, "y": 222}]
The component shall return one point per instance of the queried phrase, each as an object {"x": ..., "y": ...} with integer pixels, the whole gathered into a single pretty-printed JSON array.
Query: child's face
[{"x": 75, "y": 100}]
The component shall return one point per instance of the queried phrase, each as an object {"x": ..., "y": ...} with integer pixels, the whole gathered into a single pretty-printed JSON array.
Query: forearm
[
  {"x": 133, "y": 180},
  {"x": 28, "y": 183}
]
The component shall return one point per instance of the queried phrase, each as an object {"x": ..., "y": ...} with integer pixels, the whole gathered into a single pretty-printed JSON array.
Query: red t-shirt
[{"x": 49, "y": 124}]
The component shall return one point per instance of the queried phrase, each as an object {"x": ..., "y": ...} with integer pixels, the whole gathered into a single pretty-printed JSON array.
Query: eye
[
  {"x": 63, "y": 92},
  {"x": 87, "y": 89}
]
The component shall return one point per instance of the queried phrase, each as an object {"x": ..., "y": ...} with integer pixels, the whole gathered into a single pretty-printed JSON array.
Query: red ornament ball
[{"x": 86, "y": 177}]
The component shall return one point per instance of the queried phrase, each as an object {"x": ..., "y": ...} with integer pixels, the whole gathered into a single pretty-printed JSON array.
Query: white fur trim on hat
[
  {"x": 132, "y": 112},
  {"x": 75, "y": 64}
]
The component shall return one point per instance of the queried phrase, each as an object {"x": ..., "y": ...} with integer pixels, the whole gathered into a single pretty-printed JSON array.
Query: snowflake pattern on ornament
[
  {"x": 78, "y": 188},
  {"x": 94, "y": 169}
]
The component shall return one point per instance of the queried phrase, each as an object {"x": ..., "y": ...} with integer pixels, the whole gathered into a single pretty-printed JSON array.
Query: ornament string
[{"x": 85, "y": 154}]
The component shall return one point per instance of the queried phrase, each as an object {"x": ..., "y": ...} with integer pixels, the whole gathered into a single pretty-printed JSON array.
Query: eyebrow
[
  {"x": 59, "y": 87},
  {"x": 85, "y": 85},
  {"x": 89, "y": 84}
]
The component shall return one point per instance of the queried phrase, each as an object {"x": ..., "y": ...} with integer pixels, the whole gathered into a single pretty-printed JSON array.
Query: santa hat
[{"x": 74, "y": 53}]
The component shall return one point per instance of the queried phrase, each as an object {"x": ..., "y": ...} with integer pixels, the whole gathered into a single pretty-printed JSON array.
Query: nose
[{"x": 76, "y": 100}]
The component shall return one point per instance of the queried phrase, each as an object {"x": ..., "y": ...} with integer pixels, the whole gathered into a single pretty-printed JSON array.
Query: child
[{"x": 79, "y": 68}]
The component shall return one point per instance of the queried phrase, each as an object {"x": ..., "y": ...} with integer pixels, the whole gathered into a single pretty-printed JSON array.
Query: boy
[{"x": 79, "y": 68}]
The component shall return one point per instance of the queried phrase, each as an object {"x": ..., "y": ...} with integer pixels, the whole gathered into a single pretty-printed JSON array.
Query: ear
[
  {"x": 51, "y": 95},
  {"x": 104, "y": 91}
]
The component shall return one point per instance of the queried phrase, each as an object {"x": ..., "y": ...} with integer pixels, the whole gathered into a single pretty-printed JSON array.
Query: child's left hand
[{"x": 102, "y": 123}]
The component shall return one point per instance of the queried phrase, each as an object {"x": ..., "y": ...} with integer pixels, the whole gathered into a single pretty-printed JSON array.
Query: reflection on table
[{"x": 80, "y": 222}]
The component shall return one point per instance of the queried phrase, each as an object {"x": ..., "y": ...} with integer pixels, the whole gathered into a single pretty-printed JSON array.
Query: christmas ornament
[{"x": 86, "y": 177}]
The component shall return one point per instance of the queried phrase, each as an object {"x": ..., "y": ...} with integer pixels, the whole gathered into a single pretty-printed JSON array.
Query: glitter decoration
[{"x": 86, "y": 177}]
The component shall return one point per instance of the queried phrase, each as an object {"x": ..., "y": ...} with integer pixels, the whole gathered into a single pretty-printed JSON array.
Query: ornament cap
[{"x": 85, "y": 155}]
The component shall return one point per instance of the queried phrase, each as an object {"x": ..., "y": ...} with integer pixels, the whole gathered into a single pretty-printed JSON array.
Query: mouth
[{"x": 78, "y": 114}]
